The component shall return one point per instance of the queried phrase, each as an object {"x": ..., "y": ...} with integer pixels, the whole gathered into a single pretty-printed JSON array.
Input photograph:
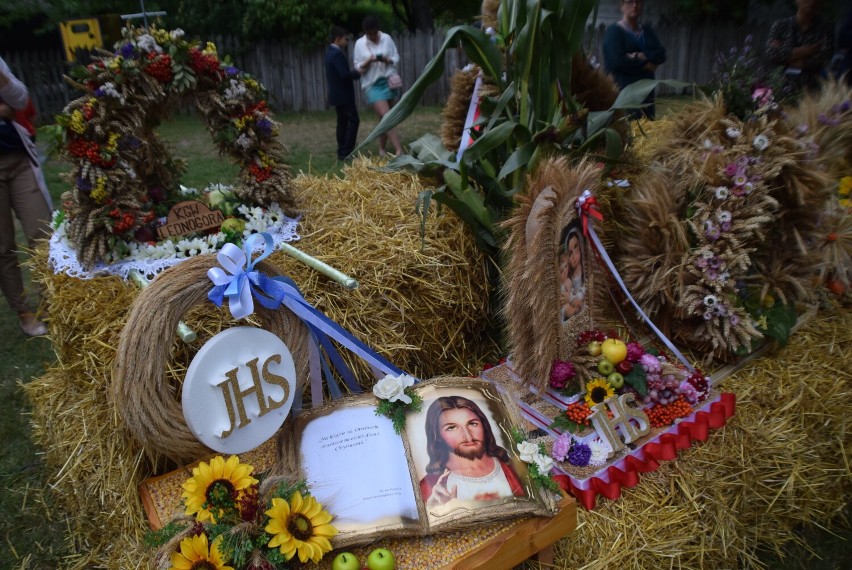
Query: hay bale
[{"x": 421, "y": 304}]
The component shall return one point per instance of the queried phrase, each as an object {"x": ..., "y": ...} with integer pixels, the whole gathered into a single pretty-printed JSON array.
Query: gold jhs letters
[
  {"x": 622, "y": 414},
  {"x": 231, "y": 392}
]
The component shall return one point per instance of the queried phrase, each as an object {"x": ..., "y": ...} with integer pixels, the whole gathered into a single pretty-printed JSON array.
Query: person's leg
[
  {"x": 381, "y": 107},
  {"x": 33, "y": 212},
  {"x": 342, "y": 120},
  {"x": 11, "y": 282},
  {"x": 350, "y": 137}
]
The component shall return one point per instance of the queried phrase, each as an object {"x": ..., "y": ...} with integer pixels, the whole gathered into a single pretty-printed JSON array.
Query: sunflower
[
  {"x": 194, "y": 554},
  {"x": 216, "y": 486},
  {"x": 300, "y": 526},
  {"x": 597, "y": 391}
]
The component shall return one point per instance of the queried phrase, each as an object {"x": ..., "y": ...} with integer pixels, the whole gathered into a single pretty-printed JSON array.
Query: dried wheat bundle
[
  {"x": 738, "y": 221},
  {"x": 824, "y": 120},
  {"x": 535, "y": 333}
]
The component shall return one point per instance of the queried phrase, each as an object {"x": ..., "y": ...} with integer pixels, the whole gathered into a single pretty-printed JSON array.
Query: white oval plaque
[{"x": 239, "y": 389}]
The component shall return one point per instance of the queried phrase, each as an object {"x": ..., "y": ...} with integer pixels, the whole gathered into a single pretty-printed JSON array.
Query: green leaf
[
  {"x": 632, "y": 96},
  {"x": 490, "y": 140},
  {"x": 519, "y": 158},
  {"x": 638, "y": 379},
  {"x": 780, "y": 320},
  {"x": 614, "y": 144}
]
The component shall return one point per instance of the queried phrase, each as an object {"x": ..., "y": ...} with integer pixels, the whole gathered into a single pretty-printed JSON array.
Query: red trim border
[{"x": 695, "y": 428}]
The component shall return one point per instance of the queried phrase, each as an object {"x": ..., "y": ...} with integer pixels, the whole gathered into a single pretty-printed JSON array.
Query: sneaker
[{"x": 32, "y": 326}]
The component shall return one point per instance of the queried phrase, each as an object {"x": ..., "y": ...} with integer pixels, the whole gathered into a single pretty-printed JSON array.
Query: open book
[{"x": 455, "y": 464}]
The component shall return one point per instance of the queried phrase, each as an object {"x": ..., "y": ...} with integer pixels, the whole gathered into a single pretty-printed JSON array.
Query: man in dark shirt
[
  {"x": 802, "y": 44},
  {"x": 341, "y": 91}
]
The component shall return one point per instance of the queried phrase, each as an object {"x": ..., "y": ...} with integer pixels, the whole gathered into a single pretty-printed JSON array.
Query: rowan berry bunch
[
  {"x": 663, "y": 415},
  {"x": 204, "y": 64},
  {"x": 160, "y": 67},
  {"x": 579, "y": 412}
]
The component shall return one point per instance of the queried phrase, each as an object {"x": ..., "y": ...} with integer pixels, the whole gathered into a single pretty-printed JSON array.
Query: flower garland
[
  {"x": 234, "y": 522},
  {"x": 122, "y": 173},
  {"x": 241, "y": 221},
  {"x": 538, "y": 461}
]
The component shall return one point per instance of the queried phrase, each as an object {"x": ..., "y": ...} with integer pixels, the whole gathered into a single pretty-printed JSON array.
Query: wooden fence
[{"x": 296, "y": 79}]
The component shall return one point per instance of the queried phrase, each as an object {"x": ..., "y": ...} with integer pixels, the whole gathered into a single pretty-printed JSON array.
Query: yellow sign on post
[{"x": 83, "y": 33}]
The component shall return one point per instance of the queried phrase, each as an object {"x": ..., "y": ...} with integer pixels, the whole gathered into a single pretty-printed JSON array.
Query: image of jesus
[{"x": 465, "y": 461}]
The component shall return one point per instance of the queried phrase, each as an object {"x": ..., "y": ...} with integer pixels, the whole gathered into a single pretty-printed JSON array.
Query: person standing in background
[
  {"x": 22, "y": 189},
  {"x": 803, "y": 45},
  {"x": 844, "y": 47},
  {"x": 632, "y": 51},
  {"x": 376, "y": 58},
  {"x": 341, "y": 92}
]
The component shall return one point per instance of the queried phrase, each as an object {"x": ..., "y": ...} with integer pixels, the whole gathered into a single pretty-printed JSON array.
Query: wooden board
[{"x": 529, "y": 538}]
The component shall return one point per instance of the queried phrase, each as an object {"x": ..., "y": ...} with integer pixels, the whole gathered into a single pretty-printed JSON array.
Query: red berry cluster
[
  {"x": 88, "y": 112},
  {"x": 204, "y": 64},
  {"x": 160, "y": 67},
  {"x": 699, "y": 382},
  {"x": 124, "y": 221},
  {"x": 579, "y": 413},
  {"x": 89, "y": 150},
  {"x": 665, "y": 414},
  {"x": 586, "y": 337},
  {"x": 260, "y": 174}
]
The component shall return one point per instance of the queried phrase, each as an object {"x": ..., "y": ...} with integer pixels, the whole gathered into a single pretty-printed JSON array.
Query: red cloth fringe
[{"x": 696, "y": 428}]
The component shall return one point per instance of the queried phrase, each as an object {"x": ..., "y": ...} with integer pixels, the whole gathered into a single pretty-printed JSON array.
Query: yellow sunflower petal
[
  {"x": 296, "y": 502},
  {"x": 325, "y": 530},
  {"x": 323, "y": 517},
  {"x": 310, "y": 508}
]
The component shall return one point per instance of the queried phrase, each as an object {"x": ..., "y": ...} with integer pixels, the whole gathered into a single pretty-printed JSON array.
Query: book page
[{"x": 356, "y": 466}]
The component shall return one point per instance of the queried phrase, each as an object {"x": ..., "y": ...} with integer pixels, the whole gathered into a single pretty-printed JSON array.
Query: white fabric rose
[
  {"x": 543, "y": 462},
  {"x": 528, "y": 451},
  {"x": 392, "y": 388}
]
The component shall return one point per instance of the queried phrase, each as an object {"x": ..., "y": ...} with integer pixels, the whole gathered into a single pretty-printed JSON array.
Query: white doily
[{"x": 63, "y": 257}]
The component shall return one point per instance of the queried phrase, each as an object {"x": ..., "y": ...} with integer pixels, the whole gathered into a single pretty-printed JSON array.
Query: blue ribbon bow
[{"x": 240, "y": 284}]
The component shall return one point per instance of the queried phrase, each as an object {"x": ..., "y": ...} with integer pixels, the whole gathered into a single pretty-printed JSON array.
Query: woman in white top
[{"x": 376, "y": 58}]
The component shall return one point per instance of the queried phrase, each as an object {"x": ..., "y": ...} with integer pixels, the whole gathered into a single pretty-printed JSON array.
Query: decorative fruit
[
  {"x": 616, "y": 380},
  {"x": 614, "y": 350},
  {"x": 624, "y": 366},
  {"x": 606, "y": 367},
  {"x": 345, "y": 561},
  {"x": 594, "y": 348},
  {"x": 381, "y": 559}
]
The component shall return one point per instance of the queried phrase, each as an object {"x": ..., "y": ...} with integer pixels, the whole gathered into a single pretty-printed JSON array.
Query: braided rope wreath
[
  {"x": 146, "y": 397},
  {"x": 124, "y": 179}
]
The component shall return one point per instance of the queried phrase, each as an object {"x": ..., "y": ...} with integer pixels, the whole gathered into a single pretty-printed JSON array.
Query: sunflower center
[
  {"x": 202, "y": 565},
  {"x": 300, "y": 526},
  {"x": 598, "y": 394},
  {"x": 220, "y": 490}
]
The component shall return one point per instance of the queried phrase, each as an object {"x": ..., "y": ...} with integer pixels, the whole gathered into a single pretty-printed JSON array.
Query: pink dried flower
[
  {"x": 634, "y": 351},
  {"x": 561, "y": 447},
  {"x": 650, "y": 363},
  {"x": 561, "y": 373}
]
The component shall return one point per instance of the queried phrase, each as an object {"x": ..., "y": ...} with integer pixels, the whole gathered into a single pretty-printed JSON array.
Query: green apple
[
  {"x": 345, "y": 561},
  {"x": 381, "y": 559},
  {"x": 614, "y": 350},
  {"x": 606, "y": 367},
  {"x": 234, "y": 225},
  {"x": 616, "y": 380},
  {"x": 594, "y": 348}
]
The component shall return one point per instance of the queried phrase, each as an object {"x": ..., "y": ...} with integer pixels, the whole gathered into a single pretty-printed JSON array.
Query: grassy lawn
[{"x": 30, "y": 539}]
